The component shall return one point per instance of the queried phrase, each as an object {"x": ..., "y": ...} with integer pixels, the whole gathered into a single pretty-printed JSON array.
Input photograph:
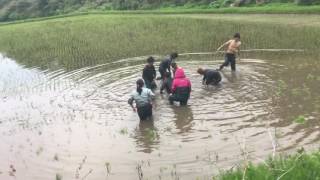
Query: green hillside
[{"x": 22, "y": 9}]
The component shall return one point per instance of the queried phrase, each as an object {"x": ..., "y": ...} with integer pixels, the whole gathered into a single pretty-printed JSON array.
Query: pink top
[{"x": 180, "y": 80}]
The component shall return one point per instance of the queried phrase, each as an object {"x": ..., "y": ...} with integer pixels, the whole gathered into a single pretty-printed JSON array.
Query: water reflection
[
  {"x": 183, "y": 117},
  {"x": 231, "y": 76},
  {"x": 272, "y": 91},
  {"x": 146, "y": 136}
]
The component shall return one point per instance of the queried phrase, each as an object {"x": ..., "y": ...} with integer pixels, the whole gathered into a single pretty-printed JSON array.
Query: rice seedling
[
  {"x": 106, "y": 38},
  {"x": 151, "y": 134},
  {"x": 124, "y": 131},
  {"x": 56, "y": 157},
  {"x": 300, "y": 119},
  {"x": 58, "y": 176},
  {"x": 39, "y": 151},
  {"x": 281, "y": 87},
  {"x": 108, "y": 167}
]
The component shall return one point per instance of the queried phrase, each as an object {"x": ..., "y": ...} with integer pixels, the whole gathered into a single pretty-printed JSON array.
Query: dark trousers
[
  {"x": 150, "y": 84},
  {"x": 229, "y": 59},
  {"x": 144, "y": 112},
  {"x": 183, "y": 99},
  {"x": 162, "y": 71}
]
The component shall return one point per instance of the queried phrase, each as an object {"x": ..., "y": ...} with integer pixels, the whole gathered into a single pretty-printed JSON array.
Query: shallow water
[{"x": 78, "y": 124}]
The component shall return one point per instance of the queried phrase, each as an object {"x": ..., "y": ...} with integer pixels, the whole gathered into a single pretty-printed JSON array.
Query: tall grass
[
  {"x": 295, "y": 167},
  {"x": 75, "y": 42}
]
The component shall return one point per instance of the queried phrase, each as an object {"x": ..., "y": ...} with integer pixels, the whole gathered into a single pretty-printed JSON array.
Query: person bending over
[
  {"x": 181, "y": 88},
  {"x": 149, "y": 74},
  {"x": 142, "y": 97},
  {"x": 210, "y": 76},
  {"x": 233, "y": 48},
  {"x": 167, "y": 83},
  {"x": 165, "y": 64}
]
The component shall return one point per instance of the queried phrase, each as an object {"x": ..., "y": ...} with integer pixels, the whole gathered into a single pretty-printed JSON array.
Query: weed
[
  {"x": 58, "y": 176},
  {"x": 300, "y": 119}
]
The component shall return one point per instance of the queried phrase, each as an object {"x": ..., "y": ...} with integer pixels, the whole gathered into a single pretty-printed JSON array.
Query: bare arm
[
  {"x": 223, "y": 45},
  {"x": 151, "y": 95},
  {"x": 130, "y": 102}
]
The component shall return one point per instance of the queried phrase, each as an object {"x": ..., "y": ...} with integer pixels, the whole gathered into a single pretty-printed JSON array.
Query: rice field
[
  {"x": 81, "y": 41},
  {"x": 65, "y": 83}
]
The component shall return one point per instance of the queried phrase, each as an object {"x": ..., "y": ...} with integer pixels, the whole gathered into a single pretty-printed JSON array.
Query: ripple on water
[{"x": 84, "y": 113}]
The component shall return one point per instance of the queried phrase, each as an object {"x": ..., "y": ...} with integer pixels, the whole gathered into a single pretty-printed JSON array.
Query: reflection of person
[
  {"x": 165, "y": 64},
  {"x": 181, "y": 88},
  {"x": 149, "y": 74},
  {"x": 166, "y": 83},
  {"x": 184, "y": 117},
  {"x": 210, "y": 76},
  {"x": 142, "y": 97},
  {"x": 146, "y": 136},
  {"x": 233, "y": 47}
]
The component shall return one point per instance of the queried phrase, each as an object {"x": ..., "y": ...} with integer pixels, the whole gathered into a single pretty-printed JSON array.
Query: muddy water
[{"x": 77, "y": 124}]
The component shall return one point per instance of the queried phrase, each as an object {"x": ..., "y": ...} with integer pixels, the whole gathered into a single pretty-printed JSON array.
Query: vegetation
[
  {"x": 293, "y": 167},
  {"x": 22, "y": 9},
  {"x": 64, "y": 43}
]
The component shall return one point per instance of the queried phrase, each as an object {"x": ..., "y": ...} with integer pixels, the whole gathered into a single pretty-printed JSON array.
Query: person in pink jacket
[{"x": 181, "y": 87}]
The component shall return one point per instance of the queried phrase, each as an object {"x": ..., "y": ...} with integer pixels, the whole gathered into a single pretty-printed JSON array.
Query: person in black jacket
[
  {"x": 210, "y": 76},
  {"x": 149, "y": 74},
  {"x": 165, "y": 64}
]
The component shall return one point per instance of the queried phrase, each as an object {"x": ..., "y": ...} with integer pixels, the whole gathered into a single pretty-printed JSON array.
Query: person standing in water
[
  {"x": 165, "y": 64},
  {"x": 142, "y": 97},
  {"x": 232, "y": 48},
  {"x": 210, "y": 76},
  {"x": 181, "y": 88},
  {"x": 149, "y": 74},
  {"x": 166, "y": 83}
]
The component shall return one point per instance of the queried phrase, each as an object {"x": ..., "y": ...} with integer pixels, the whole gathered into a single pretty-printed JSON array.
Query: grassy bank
[
  {"x": 64, "y": 42},
  {"x": 294, "y": 167}
]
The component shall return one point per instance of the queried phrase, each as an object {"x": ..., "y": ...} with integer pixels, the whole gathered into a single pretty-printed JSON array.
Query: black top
[
  {"x": 149, "y": 73},
  {"x": 211, "y": 76},
  {"x": 165, "y": 64}
]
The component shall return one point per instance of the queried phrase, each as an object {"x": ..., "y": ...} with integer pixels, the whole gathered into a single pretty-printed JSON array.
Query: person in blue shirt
[{"x": 142, "y": 97}]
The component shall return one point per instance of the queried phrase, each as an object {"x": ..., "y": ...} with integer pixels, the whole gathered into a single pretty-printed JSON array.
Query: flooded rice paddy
[{"x": 77, "y": 124}]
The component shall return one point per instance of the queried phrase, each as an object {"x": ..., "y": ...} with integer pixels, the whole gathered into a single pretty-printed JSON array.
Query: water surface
[{"x": 78, "y": 124}]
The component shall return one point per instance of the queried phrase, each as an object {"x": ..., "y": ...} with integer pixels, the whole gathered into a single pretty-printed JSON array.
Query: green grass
[
  {"x": 81, "y": 41},
  {"x": 294, "y": 167}
]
